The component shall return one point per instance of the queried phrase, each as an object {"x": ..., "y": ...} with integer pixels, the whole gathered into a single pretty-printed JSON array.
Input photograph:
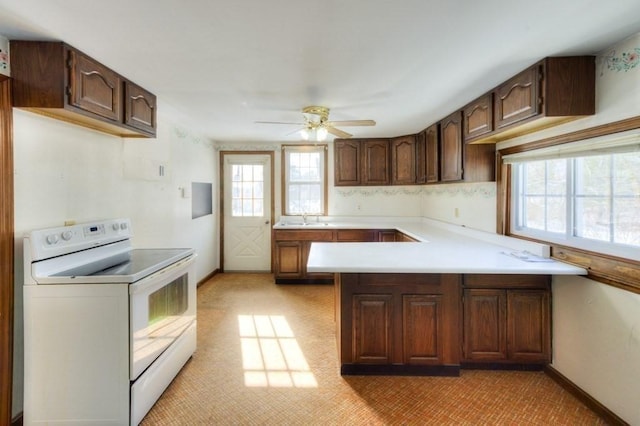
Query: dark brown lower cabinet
[
  {"x": 398, "y": 323},
  {"x": 291, "y": 250},
  {"x": 528, "y": 326},
  {"x": 435, "y": 324},
  {"x": 289, "y": 255},
  {"x": 507, "y": 325},
  {"x": 485, "y": 320},
  {"x": 422, "y": 324},
  {"x": 372, "y": 316}
]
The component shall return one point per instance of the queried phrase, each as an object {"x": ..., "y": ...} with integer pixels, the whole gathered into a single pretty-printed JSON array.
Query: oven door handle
[{"x": 162, "y": 277}]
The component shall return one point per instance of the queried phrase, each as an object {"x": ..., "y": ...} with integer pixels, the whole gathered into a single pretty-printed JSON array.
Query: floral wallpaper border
[
  {"x": 622, "y": 57},
  {"x": 468, "y": 190},
  {"x": 186, "y": 136},
  {"x": 237, "y": 147},
  {"x": 623, "y": 62}
]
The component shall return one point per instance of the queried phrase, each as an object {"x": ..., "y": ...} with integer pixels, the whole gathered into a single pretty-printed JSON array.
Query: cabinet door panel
[
  {"x": 289, "y": 259},
  {"x": 403, "y": 160},
  {"x": 94, "y": 87},
  {"x": 347, "y": 163},
  {"x": 518, "y": 98},
  {"x": 478, "y": 117},
  {"x": 422, "y": 329},
  {"x": 372, "y": 314},
  {"x": 485, "y": 324},
  {"x": 375, "y": 162},
  {"x": 432, "y": 160},
  {"x": 139, "y": 108},
  {"x": 528, "y": 325},
  {"x": 451, "y": 148}
]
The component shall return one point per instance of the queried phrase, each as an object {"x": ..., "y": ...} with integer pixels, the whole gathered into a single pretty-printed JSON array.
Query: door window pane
[{"x": 247, "y": 190}]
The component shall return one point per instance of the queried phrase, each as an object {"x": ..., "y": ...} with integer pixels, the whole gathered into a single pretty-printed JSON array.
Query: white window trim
[
  {"x": 568, "y": 239},
  {"x": 323, "y": 177}
]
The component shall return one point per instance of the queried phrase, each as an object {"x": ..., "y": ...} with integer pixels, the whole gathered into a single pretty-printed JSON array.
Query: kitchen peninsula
[{"x": 454, "y": 298}]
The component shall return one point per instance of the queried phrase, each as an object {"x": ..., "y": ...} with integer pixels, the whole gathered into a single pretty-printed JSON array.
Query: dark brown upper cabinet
[
  {"x": 403, "y": 160},
  {"x": 347, "y": 162},
  {"x": 375, "y": 162},
  {"x": 54, "y": 79},
  {"x": 432, "y": 150},
  {"x": 451, "y": 148},
  {"x": 478, "y": 117},
  {"x": 552, "y": 91},
  {"x": 94, "y": 88},
  {"x": 460, "y": 162},
  {"x": 361, "y": 162},
  {"x": 139, "y": 108}
]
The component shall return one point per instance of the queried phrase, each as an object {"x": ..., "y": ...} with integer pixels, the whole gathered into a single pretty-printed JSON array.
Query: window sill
[{"x": 607, "y": 269}]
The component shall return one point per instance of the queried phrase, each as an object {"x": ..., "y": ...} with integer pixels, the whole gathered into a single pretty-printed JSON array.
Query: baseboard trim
[
  {"x": 17, "y": 420},
  {"x": 607, "y": 415},
  {"x": 208, "y": 277}
]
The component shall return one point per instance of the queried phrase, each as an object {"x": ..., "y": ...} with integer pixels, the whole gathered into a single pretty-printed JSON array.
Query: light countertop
[{"x": 443, "y": 248}]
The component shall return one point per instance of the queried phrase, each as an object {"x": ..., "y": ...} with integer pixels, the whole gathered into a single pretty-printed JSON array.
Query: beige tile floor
[{"x": 267, "y": 356}]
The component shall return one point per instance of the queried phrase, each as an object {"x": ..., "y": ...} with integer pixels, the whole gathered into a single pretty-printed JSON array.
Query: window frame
[
  {"x": 324, "y": 174},
  {"x": 570, "y": 197},
  {"x": 606, "y": 268}
]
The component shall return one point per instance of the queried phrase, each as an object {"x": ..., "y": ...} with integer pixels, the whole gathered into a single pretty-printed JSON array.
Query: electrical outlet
[{"x": 456, "y": 212}]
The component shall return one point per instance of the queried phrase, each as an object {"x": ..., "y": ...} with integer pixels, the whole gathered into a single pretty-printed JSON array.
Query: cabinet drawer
[
  {"x": 357, "y": 235},
  {"x": 303, "y": 235},
  {"x": 506, "y": 281}
]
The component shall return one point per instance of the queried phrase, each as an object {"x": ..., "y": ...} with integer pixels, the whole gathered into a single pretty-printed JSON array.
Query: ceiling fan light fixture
[
  {"x": 305, "y": 134},
  {"x": 321, "y": 133}
]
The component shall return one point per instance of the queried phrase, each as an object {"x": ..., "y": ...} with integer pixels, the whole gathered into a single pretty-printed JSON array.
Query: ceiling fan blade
[
  {"x": 278, "y": 122},
  {"x": 337, "y": 132},
  {"x": 352, "y": 123},
  {"x": 295, "y": 131}
]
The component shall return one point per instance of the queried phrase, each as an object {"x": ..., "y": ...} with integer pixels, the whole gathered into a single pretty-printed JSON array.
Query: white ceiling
[{"x": 223, "y": 65}]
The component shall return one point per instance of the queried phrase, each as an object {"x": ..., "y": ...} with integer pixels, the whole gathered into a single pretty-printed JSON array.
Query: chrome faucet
[{"x": 304, "y": 218}]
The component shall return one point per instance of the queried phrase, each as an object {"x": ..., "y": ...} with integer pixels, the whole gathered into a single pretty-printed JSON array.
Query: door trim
[
  {"x": 6, "y": 251},
  {"x": 223, "y": 154}
]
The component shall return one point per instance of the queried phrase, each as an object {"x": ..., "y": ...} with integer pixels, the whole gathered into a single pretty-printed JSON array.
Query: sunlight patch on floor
[{"x": 271, "y": 356}]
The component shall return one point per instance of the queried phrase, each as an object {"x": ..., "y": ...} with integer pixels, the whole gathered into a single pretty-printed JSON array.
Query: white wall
[
  {"x": 596, "y": 328},
  {"x": 596, "y": 342},
  {"x": 65, "y": 172}
]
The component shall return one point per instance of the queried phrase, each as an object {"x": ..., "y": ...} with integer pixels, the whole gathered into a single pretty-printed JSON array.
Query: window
[
  {"x": 585, "y": 201},
  {"x": 305, "y": 179},
  {"x": 247, "y": 190}
]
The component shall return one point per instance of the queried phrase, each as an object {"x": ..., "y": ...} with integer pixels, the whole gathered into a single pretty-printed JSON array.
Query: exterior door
[{"x": 247, "y": 212}]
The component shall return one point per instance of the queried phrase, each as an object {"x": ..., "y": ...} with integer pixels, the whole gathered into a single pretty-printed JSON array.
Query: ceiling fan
[{"x": 316, "y": 125}]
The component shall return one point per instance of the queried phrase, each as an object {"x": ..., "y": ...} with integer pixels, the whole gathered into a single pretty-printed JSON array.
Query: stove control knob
[
  {"x": 115, "y": 226},
  {"x": 66, "y": 235},
  {"x": 52, "y": 239},
  {"x": 123, "y": 225}
]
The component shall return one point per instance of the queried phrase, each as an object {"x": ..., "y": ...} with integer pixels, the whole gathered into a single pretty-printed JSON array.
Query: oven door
[{"x": 161, "y": 306}]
